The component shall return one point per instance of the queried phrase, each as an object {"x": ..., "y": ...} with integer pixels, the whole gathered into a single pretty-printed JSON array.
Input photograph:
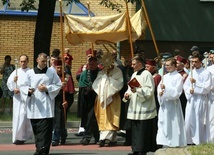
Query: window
[{"x": 74, "y": 8}]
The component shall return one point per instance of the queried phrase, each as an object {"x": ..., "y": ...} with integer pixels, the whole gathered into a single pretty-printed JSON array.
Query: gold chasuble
[{"x": 109, "y": 118}]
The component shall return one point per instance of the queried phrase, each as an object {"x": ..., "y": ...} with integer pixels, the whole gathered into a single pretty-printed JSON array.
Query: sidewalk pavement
[
  {"x": 72, "y": 146},
  {"x": 172, "y": 151}
]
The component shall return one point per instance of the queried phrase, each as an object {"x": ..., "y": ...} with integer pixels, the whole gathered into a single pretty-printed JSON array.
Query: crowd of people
[{"x": 155, "y": 103}]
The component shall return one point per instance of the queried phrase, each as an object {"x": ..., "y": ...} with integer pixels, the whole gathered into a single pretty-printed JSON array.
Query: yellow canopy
[{"x": 109, "y": 28}]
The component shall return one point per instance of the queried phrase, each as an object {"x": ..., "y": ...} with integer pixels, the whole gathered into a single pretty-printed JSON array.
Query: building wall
[
  {"x": 17, "y": 36},
  {"x": 17, "y": 33}
]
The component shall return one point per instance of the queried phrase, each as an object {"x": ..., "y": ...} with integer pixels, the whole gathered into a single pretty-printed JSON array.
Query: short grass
[
  {"x": 5, "y": 117},
  {"x": 8, "y": 117},
  {"x": 203, "y": 149},
  {"x": 73, "y": 117}
]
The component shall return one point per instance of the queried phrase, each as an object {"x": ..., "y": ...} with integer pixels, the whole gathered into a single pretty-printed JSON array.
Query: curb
[{"x": 173, "y": 151}]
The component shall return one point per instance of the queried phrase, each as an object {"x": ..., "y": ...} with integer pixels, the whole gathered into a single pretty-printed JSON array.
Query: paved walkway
[{"x": 72, "y": 146}]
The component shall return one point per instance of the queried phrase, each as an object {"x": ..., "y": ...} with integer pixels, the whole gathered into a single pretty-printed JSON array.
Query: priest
[{"x": 107, "y": 85}]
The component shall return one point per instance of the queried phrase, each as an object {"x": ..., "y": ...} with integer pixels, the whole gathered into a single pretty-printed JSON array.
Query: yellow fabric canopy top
[{"x": 106, "y": 28}]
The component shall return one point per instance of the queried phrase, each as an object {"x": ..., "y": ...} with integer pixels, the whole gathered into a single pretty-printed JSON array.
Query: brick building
[
  {"x": 176, "y": 25},
  {"x": 17, "y": 35}
]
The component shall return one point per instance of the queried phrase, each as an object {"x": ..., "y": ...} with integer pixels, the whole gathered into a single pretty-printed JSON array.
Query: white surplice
[
  {"x": 41, "y": 104},
  {"x": 210, "y": 109},
  {"x": 106, "y": 86},
  {"x": 22, "y": 129},
  {"x": 171, "y": 125},
  {"x": 195, "y": 114}
]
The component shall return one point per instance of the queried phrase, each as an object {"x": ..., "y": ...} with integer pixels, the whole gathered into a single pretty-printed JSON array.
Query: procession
[
  {"x": 156, "y": 104},
  {"x": 127, "y": 95}
]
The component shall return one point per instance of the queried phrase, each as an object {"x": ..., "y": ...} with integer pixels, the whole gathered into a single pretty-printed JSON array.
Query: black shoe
[
  {"x": 102, "y": 143},
  {"x": 110, "y": 143},
  {"x": 19, "y": 142},
  {"x": 79, "y": 134},
  {"x": 63, "y": 141},
  {"x": 134, "y": 153},
  {"x": 54, "y": 143},
  {"x": 191, "y": 144},
  {"x": 40, "y": 151},
  {"x": 85, "y": 141},
  {"x": 36, "y": 153}
]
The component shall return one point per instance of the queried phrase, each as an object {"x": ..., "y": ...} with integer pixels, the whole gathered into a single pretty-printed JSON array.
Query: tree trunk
[{"x": 43, "y": 31}]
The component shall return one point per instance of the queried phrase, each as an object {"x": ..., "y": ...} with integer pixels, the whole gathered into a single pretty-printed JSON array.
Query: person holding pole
[
  {"x": 170, "y": 116},
  {"x": 196, "y": 87},
  {"x": 22, "y": 129},
  {"x": 59, "y": 123},
  {"x": 43, "y": 86}
]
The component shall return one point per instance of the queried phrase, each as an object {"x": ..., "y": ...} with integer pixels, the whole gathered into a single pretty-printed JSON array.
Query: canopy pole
[
  {"x": 150, "y": 27},
  {"x": 92, "y": 44},
  {"x": 63, "y": 63},
  {"x": 129, "y": 30}
]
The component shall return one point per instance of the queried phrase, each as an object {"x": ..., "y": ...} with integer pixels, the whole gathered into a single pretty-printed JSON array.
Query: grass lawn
[
  {"x": 203, "y": 149},
  {"x": 8, "y": 117},
  {"x": 5, "y": 117}
]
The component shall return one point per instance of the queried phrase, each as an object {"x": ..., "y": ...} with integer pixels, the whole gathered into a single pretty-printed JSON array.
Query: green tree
[
  {"x": 115, "y": 5},
  {"x": 29, "y": 4}
]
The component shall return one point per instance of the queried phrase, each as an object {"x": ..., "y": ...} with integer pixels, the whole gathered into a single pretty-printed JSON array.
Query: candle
[
  {"x": 48, "y": 61},
  {"x": 190, "y": 62},
  {"x": 163, "y": 69},
  {"x": 16, "y": 68},
  {"x": 206, "y": 54}
]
